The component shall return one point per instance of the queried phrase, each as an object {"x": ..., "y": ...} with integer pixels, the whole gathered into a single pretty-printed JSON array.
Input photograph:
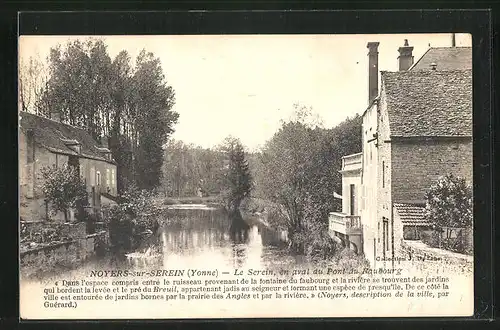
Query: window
[
  {"x": 98, "y": 178},
  {"x": 113, "y": 177},
  {"x": 92, "y": 176},
  {"x": 383, "y": 174},
  {"x": 386, "y": 234},
  {"x": 108, "y": 177},
  {"x": 378, "y": 231},
  {"x": 352, "y": 197}
]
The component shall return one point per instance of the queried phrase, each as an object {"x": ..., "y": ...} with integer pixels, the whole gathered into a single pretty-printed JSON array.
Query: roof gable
[
  {"x": 411, "y": 214},
  {"x": 429, "y": 103},
  {"x": 58, "y": 137},
  {"x": 445, "y": 58}
]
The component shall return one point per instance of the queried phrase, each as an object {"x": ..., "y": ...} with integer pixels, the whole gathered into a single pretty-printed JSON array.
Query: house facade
[
  {"x": 418, "y": 128},
  {"x": 47, "y": 142},
  {"x": 346, "y": 225}
]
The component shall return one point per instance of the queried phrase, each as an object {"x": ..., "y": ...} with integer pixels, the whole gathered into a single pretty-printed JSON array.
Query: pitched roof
[
  {"x": 411, "y": 214},
  {"x": 56, "y": 136},
  {"x": 429, "y": 103},
  {"x": 445, "y": 58}
]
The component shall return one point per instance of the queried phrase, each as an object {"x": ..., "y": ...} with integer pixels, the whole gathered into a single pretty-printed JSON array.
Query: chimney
[
  {"x": 372, "y": 70},
  {"x": 55, "y": 115},
  {"x": 405, "y": 57}
]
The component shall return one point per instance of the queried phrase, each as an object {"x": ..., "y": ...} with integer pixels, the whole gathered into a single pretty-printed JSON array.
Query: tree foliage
[
  {"x": 298, "y": 170},
  {"x": 237, "y": 180},
  {"x": 32, "y": 83},
  {"x": 449, "y": 203},
  {"x": 449, "y": 209},
  {"x": 188, "y": 168},
  {"x": 129, "y": 220},
  {"x": 129, "y": 106},
  {"x": 63, "y": 188}
]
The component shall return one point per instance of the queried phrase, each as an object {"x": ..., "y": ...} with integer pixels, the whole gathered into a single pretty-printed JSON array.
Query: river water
[{"x": 201, "y": 237}]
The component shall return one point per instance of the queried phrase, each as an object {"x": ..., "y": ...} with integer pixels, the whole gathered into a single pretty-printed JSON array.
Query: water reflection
[
  {"x": 197, "y": 238},
  {"x": 238, "y": 228},
  {"x": 214, "y": 239}
]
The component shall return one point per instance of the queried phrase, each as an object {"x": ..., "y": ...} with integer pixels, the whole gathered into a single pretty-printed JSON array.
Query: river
[{"x": 199, "y": 236}]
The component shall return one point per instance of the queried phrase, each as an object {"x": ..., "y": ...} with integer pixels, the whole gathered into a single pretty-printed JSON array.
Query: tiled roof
[
  {"x": 445, "y": 58},
  {"x": 56, "y": 136},
  {"x": 429, "y": 103},
  {"x": 411, "y": 214}
]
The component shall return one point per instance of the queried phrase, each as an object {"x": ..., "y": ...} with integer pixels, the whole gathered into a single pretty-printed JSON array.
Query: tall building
[{"x": 416, "y": 129}]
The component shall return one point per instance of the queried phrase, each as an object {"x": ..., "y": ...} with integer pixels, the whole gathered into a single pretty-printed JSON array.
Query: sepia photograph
[{"x": 245, "y": 176}]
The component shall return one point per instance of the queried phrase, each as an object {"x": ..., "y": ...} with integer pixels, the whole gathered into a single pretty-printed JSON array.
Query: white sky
[{"x": 242, "y": 85}]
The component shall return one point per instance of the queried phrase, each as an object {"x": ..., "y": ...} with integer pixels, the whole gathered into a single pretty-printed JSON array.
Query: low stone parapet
[{"x": 60, "y": 256}]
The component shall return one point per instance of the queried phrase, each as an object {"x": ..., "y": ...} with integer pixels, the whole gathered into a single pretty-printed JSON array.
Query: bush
[
  {"x": 135, "y": 214},
  {"x": 449, "y": 203},
  {"x": 350, "y": 261},
  {"x": 63, "y": 188},
  {"x": 449, "y": 209}
]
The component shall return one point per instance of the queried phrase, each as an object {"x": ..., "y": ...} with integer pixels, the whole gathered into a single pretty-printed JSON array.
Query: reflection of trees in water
[
  {"x": 239, "y": 254},
  {"x": 238, "y": 228},
  {"x": 238, "y": 231},
  {"x": 192, "y": 229}
]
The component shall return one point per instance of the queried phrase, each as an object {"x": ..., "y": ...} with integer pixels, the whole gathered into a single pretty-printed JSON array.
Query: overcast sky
[{"x": 243, "y": 85}]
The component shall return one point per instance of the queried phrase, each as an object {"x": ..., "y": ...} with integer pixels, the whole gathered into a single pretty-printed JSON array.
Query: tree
[
  {"x": 298, "y": 171},
  {"x": 131, "y": 219},
  {"x": 187, "y": 168},
  {"x": 237, "y": 179},
  {"x": 153, "y": 101},
  {"x": 449, "y": 205},
  {"x": 130, "y": 107},
  {"x": 63, "y": 188},
  {"x": 32, "y": 81}
]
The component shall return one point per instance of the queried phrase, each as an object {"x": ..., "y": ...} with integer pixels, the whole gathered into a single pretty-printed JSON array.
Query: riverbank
[{"x": 209, "y": 200}]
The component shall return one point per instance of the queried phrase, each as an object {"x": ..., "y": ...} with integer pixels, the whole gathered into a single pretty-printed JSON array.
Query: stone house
[
  {"x": 418, "y": 128},
  {"x": 47, "y": 142}
]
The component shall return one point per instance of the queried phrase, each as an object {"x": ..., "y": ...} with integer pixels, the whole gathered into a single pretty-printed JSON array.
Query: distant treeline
[{"x": 189, "y": 170}]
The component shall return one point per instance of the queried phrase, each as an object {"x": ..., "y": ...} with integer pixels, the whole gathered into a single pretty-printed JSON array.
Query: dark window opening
[
  {"x": 385, "y": 235},
  {"x": 74, "y": 162},
  {"x": 352, "y": 198}
]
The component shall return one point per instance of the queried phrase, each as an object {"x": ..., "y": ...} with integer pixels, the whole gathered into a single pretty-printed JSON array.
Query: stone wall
[
  {"x": 417, "y": 165},
  {"x": 423, "y": 258},
  {"x": 61, "y": 256}
]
